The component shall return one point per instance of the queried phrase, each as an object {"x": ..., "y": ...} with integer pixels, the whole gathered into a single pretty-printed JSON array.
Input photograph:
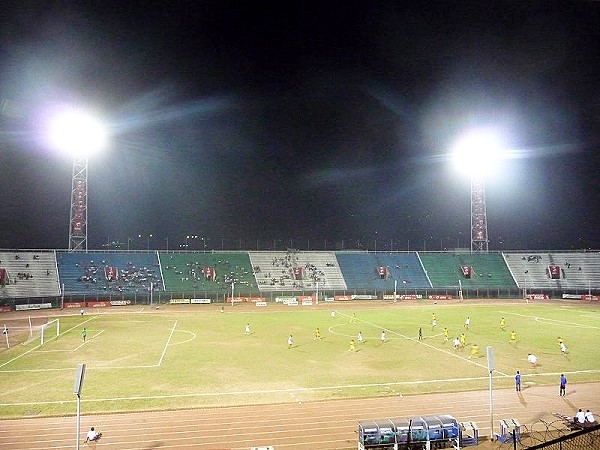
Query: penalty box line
[{"x": 424, "y": 343}]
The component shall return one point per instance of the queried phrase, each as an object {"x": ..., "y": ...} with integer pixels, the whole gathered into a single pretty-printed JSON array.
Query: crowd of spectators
[{"x": 128, "y": 279}]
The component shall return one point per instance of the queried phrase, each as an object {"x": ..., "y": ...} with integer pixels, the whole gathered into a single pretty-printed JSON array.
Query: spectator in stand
[{"x": 589, "y": 417}]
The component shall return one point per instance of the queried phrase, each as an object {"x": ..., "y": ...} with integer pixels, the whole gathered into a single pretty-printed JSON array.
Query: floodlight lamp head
[
  {"x": 77, "y": 133},
  {"x": 478, "y": 151}
]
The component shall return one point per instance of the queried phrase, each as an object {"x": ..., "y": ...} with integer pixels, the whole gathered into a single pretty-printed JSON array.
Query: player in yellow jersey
[
  {"x": 463, "y": 340},
  {"x": 352, "y": 346},
  {"x": 513, "y": 337},
  {"x": 503, "y": 324},
  {"x": 474, "y": 351}
]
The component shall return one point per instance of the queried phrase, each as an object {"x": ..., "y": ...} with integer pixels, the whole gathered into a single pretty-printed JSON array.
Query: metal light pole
[
  {"x": 490, "y": 360},
  {"x": 77, "y": 391}
]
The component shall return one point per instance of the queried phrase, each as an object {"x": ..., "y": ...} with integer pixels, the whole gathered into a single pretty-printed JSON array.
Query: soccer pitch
[{"x": 197, "y": 356}]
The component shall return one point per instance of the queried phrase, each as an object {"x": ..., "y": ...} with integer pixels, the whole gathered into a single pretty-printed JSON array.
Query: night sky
[{"x": 303, "y": 124}]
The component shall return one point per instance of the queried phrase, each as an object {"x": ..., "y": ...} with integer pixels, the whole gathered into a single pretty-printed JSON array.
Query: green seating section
[
  {"x": 489, "y": 270},
  {"x": 183, "y": 272}
]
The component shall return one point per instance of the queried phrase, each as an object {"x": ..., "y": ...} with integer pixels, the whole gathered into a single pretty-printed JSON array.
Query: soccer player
[
  {"x": 290, "y": 341},
  {"x": 456, "y": 343},
  {"x": 513, "y": 338},
  {"x": 503, "y": 324},
  {"x": 532, "y": 359},
  {"x": 353, "y": 318},
  {"x": 352, "y": 346},
  {"x": 333, "y": 314},
  {"x": 445, "y": 334},
  {"x": 360, "y": 337},
  {"x": 383, "y": 336},
  {"x": 463, "y": 340},
  {"x": 474, "y": 351},
  {"x": 563, "y": 349},
  {"x": 83, "y": 334},
  {"x": 420, "y": 334},
  {"x": 433, "y": 324},
  {"x": 317, "y": 334},
  {"x": 433, "y": 317},
  {"x": 467, "y": 322},
  {"x": 247, "y": 330}
]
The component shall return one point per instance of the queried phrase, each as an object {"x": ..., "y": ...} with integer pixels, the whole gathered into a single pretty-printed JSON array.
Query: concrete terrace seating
[
  {"x": 184, "y": 272},
  {"x": 489, "y": 270},
  {"x": 83, "y": 273},
  {"x": 360, "y": 271},
  {"x": 274, "y": 271},
  {"x": 578, "y": 270},
  {"x": 32, "y": 274}
]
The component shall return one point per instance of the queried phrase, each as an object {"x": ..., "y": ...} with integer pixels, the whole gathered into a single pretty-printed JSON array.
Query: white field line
[
  {"x": 282, "y": 391},
  {"x": 554, "y": 321},
  {"x": 167, "y": 344},
  {"x": 426, "y": 345},
  {"x": 187, "y": 340}
]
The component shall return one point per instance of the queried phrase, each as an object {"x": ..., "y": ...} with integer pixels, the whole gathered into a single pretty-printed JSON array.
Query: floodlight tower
[
  {"x": 80, "y": 135},
  {"x": 476, "y": 153}
]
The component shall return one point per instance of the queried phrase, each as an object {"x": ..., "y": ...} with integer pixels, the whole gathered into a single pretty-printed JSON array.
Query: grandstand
[
  {"x": 471, "y": 271},
  {"x": 297, "y": 271},
  {"x": 572, "y": 270},
  {"x": 114, "y": 273},
  {"x": 207, "y": 273},
  {"x": 377, "y": 272},
  {"x": 28, "y": 274}
]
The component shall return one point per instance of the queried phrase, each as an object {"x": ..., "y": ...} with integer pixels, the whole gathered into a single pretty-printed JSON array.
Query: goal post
[{"x": 50, "y": 330}]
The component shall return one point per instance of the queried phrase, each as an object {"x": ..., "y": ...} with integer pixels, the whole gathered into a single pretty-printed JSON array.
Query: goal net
[{"x": 29, "y": 330}]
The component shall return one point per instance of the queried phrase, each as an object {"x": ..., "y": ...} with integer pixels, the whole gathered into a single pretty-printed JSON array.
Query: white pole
[
  {"x": 151, "y": 291},
  {"x": 232, "y": 291},
  {"x": 30, "y": 330},
  {"x": 317, "y": 299},
  {"x": 395, "y": 290},
  {"x": 78, "y": 419},
  {"x": 491, "y": 409},
  {"x": 62, "y": 297},
  {"x": 6, "y": 334}
]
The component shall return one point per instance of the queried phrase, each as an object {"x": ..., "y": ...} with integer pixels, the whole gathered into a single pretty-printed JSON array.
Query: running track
[{"x": 317, "y": 425}]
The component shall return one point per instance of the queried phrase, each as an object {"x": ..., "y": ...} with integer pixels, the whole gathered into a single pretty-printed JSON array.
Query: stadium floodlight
[
  {"x": 476, "y": 153},
  {"x": 77, "y": 133}
]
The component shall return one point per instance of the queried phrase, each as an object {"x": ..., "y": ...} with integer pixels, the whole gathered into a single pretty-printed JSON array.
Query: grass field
[{"x": 197, "y": 356}]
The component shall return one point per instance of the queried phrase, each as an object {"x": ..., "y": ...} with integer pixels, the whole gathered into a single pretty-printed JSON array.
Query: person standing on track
[
  {"x": 518, "y": 381},
  {"x": 563, "y": 385}
]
